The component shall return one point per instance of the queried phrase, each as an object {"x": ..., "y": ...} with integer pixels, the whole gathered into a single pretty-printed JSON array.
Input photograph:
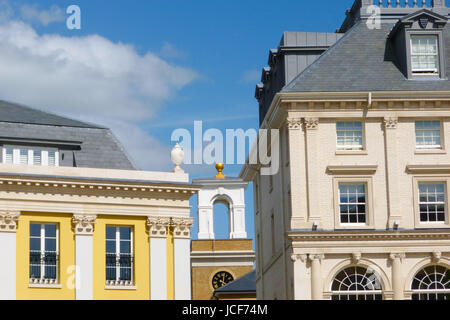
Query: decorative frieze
[
  {"x": 181, "y": 227},
  {"x": 157, "y": 226},
  {"x": 390, "y": 122},
  {"x": 8, "y": 221},
  {"x": 84, "y": 224},
  {"x": 311, "y": 123}
]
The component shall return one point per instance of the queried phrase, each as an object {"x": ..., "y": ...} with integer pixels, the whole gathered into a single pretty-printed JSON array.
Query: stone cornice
[
  {"x": 84, "y": 224},
  {"x": 425, "y": 168},
  {"x": 8, "y": 221},
  {"x": 355, "y": 169},
  {"x": 70, "y": 186},
  {"x": 368, "y": 236}
]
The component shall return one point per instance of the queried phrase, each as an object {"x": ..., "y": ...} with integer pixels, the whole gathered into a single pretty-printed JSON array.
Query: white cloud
[
  {"x": 33, "y": 14},
  {"x": 251, "y": 76},
  {"x": 91, "y": 78},
  {"x": 171, "y": 52}
]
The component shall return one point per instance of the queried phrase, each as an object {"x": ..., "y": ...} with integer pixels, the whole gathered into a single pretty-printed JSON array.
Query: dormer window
[
  {"x": 417, "y": 42},
  {"x": 424, "y": 54},
  {"x": 30, "y": 156}
]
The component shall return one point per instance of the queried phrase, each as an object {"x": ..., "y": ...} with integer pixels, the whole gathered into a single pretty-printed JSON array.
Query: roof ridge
[{"x": 69, "y": 122}]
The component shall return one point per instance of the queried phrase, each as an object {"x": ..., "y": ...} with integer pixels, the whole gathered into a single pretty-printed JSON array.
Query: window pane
[
  {"x": 35, "y": 244},
  {"x": 37, "y": 157},
  {"x": 35, "y": 229},
  {"x": 50, "y": 230},
  {"x": 23, "y": 156},
  {"x": 349, "y": 135},
  {"x": 51, "y": 158},
  {"x": 50, "y": 244},
  {"x": 125, "y": 233},
  {"x": 111, "y": 246},
  {"x": 110, "y": 232},
  {"x": 8, "y": 155},
  {"x": 125, "y": 247}
]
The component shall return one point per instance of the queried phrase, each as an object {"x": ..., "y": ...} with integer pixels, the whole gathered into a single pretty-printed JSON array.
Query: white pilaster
[
  {"x": 84, "y": 256},
  {"x": 8, "y": 227},
  {"x": 205, "y": 223},
  {"x": 302, "y": 282},
  {"x": 311, "y": 126},
  {"x": 182, "y": 269},
  {"x": 238, "y": 223},
  {"x": 158, "y": 257}
]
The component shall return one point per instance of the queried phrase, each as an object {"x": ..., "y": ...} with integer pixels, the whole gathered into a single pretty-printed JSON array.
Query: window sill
[
  {"x": 430, "y": 151},
  {"x": 351, "y": 152},
  {"x": 45, "y": 286},
  {"x": 433, "y": 225},
  {"x": 356, "y": 226},
  {"x": 120, "y": 287}
]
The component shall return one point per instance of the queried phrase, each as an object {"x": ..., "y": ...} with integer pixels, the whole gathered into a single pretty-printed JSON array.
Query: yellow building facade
[{"x": 79, "y": 233}]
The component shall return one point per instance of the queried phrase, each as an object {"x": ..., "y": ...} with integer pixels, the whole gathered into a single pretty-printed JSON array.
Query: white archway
[{"x": 228, "y": 191}]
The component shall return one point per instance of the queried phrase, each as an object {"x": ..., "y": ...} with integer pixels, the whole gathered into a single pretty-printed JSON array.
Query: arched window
[
  {"x": 356, "y": 283},
  {"x": 431, "y": 283}
]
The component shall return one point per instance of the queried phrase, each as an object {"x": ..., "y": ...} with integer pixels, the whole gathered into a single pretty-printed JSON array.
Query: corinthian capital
[
  {"x": 181, "y": 227},
  {"x": 8, "y": 221},
  {"x": 390, "y": 122},
  {"x": 311, "y": 123},
  {"x": 157, "y": 226},
  {"x": 84, "y": 224},
  {"x": 294, "y": 123}
]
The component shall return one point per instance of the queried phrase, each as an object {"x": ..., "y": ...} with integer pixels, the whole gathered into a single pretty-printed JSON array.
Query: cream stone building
[{"x": 359, "y": 208}]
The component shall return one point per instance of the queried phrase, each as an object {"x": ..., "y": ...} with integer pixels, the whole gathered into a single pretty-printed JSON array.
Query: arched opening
[
  {"x": 431, "y": 283},
  {"x": 221, "y": 217},
  {"x": 356, "y": 283}
]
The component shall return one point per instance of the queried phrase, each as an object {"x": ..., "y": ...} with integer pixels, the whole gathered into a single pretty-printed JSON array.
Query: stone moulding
[
  {"x": 349, "y": 169},
  {"x": 84, "y": 224},
  {"x": 8, "y": 221},
  {"x": 375, "y": 236},
  {"x": 423, "y": 168}
]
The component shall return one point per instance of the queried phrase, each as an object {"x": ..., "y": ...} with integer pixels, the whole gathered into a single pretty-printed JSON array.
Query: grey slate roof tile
[
  {"x": 361, "y": 61},
  {"x": 99, "y": 147}
]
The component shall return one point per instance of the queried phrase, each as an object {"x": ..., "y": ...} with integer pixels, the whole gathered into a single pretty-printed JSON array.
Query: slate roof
[
  {"x": 96, "y": 146},
  {"x": 363, "y": 61},
  {"x": 13, "y": 112},
  {"x": 246, "y": 283}
]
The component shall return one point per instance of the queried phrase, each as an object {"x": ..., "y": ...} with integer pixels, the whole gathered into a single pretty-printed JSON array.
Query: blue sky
[{"x": 214, "y": 51}]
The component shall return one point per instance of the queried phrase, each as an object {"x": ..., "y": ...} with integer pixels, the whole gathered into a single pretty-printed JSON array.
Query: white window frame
[
  {"x": 117, "y": 282},
  {"x": 441, "y": 136},
  {"x": 350, "y": 147},
  {"x": 42, "y": 280},
  {"x": 412, "y": 54},
  {"x": 356, "y": 204},
  {"x": 430, "y": 180},
  {"x": 354, "y": 179},
  {"x": 433, "y": 203},
  {"x": 16, "y": 155}
]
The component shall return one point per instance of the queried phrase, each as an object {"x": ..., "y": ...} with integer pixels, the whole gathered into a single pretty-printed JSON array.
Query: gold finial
[{"x": 219, "y": 167}]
